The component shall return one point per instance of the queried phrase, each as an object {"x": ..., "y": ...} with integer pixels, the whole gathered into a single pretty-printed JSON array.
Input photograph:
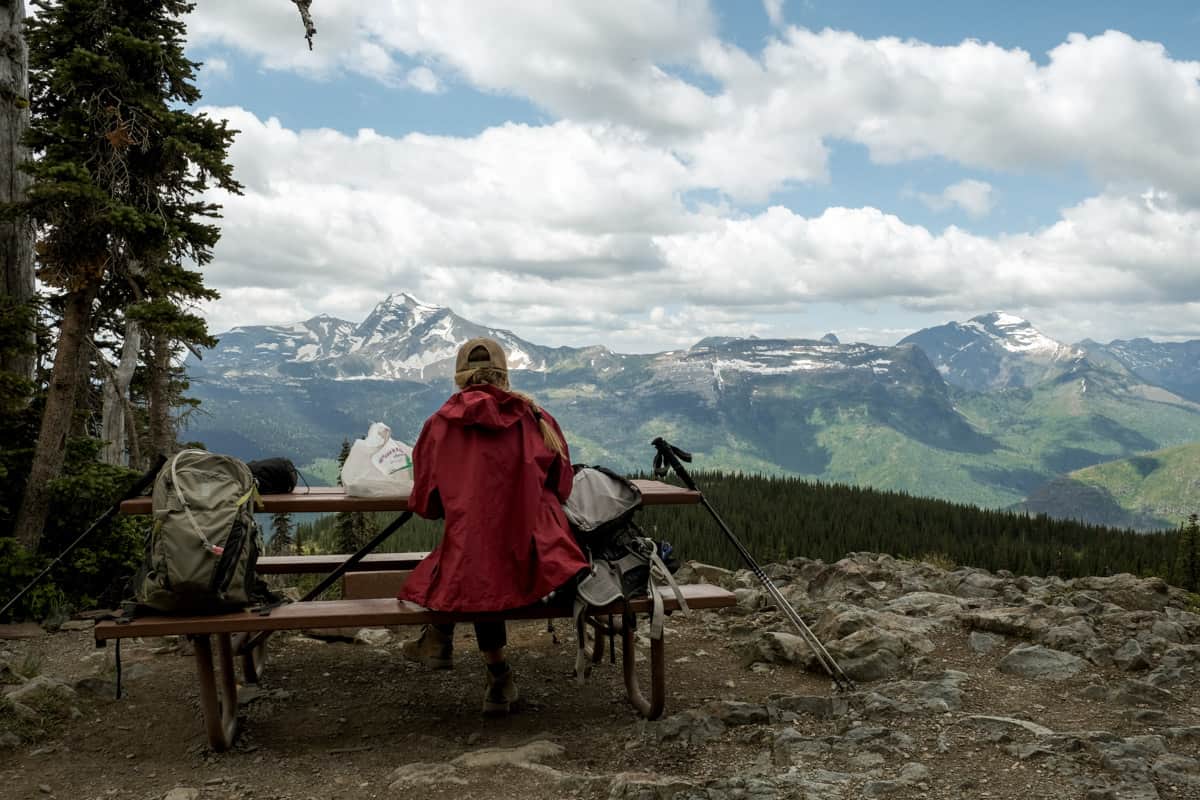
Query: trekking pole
[
  {"x": 134, "y": 491},
  {"x": 338, "y": 572},
  {"x": 670, "y": 457}
]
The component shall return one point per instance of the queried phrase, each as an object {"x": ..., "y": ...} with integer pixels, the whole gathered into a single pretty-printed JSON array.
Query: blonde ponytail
[{"x": 499, "y": 378}]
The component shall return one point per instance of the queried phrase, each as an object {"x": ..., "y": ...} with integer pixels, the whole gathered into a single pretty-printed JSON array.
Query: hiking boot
[
  {"x": 501, "y": 696},
  {"x": 434, "y": 649}
]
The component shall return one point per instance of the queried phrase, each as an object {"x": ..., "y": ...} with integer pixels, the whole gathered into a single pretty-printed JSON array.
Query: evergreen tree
[
  {"x": 282, "y": 541},
  {"x": 17, "y": 285},
  {"x": 116, "y": 192},
  {"x": 1187, "y": 555},
  {"x": 341, "y": 459}
]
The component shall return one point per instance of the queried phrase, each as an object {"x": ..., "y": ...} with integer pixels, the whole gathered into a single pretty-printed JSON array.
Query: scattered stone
[
  {"x": 1177, "y": 770},
  {"x": 707, "y": 573},
  {"x": 984, "y": 643},
  {"x": 1131, "y": 657},
  {"x": 526, "y": 756},
  {"x": 819, "y": 706},
  {"x": 42, "y": 684},
  {"x": 182, "y": 793},
  {"x": 647, "y": 786},
  {"x": 374, "y": 637},
  {"x": 1170, "y": 631},
  {"x": 523, "y": 756},
  {"x": 1004, "y": 729},
  {"x": 1075, "y": 637},
  {"x": 749, "y": 599},
  {"x": 1128, "y": 591},
  {"x": 775, "y": 647},
  {"x": 688, "y": 727},
  {"x": 1141, "y": 693},
  {"x": 732, "y": 712},
  {"x": 421, "y": 773},
  {"x": 1036, "y": 661}
]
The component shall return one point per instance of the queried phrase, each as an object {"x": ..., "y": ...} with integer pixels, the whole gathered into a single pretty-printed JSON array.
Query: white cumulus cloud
[
  {"x": 576, "y": 232},
  {"x": 774, "y": 9},
  {"x": 972, "y": 196}
]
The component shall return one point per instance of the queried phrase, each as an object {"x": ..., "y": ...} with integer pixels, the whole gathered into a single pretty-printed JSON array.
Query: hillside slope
[{"x": 1152, "y": 490}]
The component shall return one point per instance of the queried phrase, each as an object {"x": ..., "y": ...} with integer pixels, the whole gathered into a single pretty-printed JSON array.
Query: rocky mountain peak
[{"x": 992, "y": 351}]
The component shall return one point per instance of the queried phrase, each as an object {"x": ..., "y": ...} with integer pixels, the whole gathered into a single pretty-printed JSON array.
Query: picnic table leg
[
  {"x": 219, "y": 704},
  {"x": 652, "y": 708},
  {"x": 254, "y": 659},
  {"x": 599, "y": 631}
]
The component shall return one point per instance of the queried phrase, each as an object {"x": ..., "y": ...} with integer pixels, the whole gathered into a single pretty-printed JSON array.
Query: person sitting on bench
[{"x": 496, "y": 467}]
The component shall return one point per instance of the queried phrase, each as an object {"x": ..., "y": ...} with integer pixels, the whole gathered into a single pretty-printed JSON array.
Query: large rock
[
  {"x": 869, "y": 654},
  {"x": 1042, "y": 663},
  {"x": 1130, "y": 656},
  {"x": 42, "y": 685},
  {"x": 973, "y": 583},
  {"x": 732, "y": 712},
  {"x": 526, "y": 756},
  {"x": 776, "y": 647},
  {"x": 1128, "y": 591},
  {"x": 925, "y": 604},
  {"x": 1025, "y": 622},
  {"x": 690, "y": 727},
  {"x": 984, "y": 643},
  {"x": 1076, "y": 637},
  {"x": 707, "y": 573},
  {"x": 938, "y": 695}
]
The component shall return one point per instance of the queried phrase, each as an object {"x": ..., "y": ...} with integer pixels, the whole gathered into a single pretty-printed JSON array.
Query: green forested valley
[{"x": 780, "y": 518}]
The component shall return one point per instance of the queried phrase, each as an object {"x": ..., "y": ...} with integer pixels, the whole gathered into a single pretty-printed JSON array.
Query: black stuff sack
[{"x": 274, "y": 475}]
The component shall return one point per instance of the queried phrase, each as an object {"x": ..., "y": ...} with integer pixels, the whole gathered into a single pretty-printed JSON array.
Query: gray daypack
[
  {"x": 624, "y": 562},
  {"x": 204, "y": 543}
]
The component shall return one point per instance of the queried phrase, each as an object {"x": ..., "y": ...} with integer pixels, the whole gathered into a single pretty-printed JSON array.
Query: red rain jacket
[{"x": 481, "y": 463}]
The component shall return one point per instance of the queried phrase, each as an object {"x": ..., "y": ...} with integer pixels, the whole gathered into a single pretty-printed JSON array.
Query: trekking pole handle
[{"x": 671, "y": 457}]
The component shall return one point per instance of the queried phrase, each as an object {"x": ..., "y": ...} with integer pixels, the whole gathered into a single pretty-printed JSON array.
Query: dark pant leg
[{"x": 491, "y": 635}]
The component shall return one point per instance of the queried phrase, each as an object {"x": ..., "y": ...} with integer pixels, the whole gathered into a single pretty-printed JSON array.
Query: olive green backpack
[{"x": 204, "y": 543}]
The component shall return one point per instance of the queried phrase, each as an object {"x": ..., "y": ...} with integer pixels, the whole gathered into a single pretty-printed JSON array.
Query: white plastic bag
[{"x": 378, "y": 466}]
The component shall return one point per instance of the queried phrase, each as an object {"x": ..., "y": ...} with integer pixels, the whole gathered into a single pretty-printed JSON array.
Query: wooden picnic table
[{"x": 243, "y": 632}]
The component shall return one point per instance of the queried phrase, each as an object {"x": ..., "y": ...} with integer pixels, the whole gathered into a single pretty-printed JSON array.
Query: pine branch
[{"x": 310, "y": 29}]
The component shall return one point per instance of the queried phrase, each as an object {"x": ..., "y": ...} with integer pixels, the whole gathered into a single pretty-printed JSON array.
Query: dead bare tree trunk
[
  {"x": 116, "y": 397},
  {"x": 51, "y": 445},
  {"x": 16, "y": 237},
  {"x": 158, "y": 395},
  {"x": 310, "y": 29}
]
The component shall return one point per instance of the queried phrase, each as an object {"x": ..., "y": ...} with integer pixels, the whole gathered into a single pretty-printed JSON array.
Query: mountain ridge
[{"x": 888, "y": 416}]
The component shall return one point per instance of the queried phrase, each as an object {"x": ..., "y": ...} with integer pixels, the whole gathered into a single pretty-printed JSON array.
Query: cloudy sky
[{"x": 641, "y": 173}]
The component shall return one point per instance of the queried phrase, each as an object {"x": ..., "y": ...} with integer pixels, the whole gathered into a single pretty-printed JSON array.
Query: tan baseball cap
[{"x": 477, "y": 354}]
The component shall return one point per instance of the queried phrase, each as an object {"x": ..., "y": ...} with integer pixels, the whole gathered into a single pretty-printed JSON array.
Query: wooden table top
[{"x": 333, "y": 498}]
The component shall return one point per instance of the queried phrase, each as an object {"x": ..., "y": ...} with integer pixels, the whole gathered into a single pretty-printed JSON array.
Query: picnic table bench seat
[{"x": 218, "y": 695}]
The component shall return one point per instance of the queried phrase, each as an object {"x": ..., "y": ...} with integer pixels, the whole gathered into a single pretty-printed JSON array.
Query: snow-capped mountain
[
  {"x": 260, "y": 349},
  {"x": 994, "y": 351},
  {"x": 1172, "y": 365},
  {"x": 849, "y": 412},
  {"x": 402, "y": 338}
]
